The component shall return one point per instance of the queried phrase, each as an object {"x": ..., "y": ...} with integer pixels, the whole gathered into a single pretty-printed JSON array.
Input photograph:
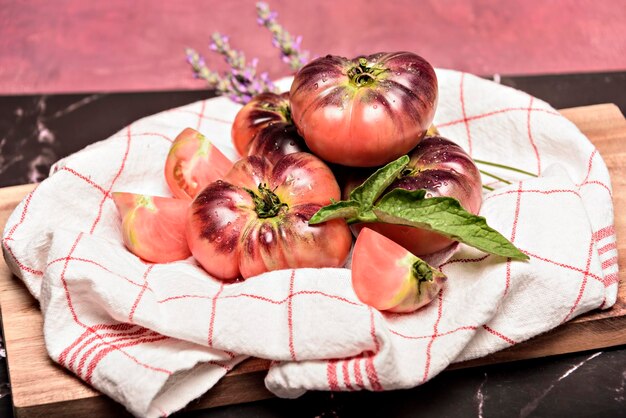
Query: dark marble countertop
[{"x": 37, "y": 130}]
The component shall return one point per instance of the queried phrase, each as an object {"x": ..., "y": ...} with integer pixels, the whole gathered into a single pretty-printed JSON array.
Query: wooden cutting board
[{"x": 41, "y": 388}]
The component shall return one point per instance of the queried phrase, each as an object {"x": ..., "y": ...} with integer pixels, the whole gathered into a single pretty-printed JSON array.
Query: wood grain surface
[{"x": 41, "y": 388}]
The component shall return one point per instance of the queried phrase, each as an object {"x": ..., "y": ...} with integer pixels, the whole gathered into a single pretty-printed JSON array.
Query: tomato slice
[
  {"x": 192, "y": 163},
  {"x": 153, "y": 228},
  {"x": 388, "y": 277}
]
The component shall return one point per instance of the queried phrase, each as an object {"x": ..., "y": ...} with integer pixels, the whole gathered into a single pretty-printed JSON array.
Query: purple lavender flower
[
  {"x": 290, "y": 50},
  {"x": 243, "y": 81}
]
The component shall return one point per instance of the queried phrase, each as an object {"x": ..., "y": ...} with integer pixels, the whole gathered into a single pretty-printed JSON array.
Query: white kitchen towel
[{"x": 156, "y": 336}]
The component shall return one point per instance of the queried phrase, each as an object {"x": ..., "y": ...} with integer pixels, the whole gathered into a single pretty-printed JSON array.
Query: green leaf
[
  {"x": 371, "y": 189},
  {"x": 445, "y": 216},
  {"x": 346, "y": 209}
]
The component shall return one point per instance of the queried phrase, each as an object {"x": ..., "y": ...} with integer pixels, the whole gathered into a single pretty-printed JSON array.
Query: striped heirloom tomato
[
  {"x": 441, "y": 168},
  {"x": 367, "y": 111},
  {"x": 256, "y": 219},
  {"x": 276, "y": 140},
  {"x": 262, "y": 111}
]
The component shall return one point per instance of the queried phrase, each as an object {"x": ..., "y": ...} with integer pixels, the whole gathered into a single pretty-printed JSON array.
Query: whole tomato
[
  {"x": 442, "y": 168},
  {"x": 366, "y": 111},
  {"x": 275, "y": 141},
  {"x": 263, "y": 110},
  {"x": 256, "y": 219}
]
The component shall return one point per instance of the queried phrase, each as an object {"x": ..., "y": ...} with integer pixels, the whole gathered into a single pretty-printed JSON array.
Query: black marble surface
[{"x": 35, "y": 131}]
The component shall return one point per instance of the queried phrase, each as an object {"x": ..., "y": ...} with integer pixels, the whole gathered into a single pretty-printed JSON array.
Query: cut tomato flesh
[
  {"x": 192, "y": 163},
  {"x": 388, "y": 277},
  {"x": 153, "y": 228}
]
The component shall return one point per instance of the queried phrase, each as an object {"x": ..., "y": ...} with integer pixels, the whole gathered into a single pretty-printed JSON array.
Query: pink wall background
[{"x": 121, "y": 45}]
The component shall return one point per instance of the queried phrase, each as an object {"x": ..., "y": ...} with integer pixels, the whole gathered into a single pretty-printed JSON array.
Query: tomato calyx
[
  {"x": 422, "y": 271},
  {"x": 284, "y": 110},
  {"x": 363, "y": 74},
  {"x": 266, "y": 203}
]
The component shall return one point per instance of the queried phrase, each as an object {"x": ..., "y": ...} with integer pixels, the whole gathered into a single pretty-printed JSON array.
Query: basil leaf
[
  {"x": 347, "y": 209},
  {"x": 445, "y": 216},
  {"x": 371, "y": 189}
]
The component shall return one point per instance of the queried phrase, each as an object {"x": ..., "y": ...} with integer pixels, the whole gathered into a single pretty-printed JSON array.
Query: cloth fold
[{"x": 156, "y": 336}]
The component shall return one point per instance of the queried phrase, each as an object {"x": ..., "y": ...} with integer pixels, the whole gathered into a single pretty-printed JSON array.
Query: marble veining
[
  {"x": 36, "y": 131},
  {"x": 620, "y": 389},
  {"x": 480, "y": 397},
  {"x": 534, "y": 403}
]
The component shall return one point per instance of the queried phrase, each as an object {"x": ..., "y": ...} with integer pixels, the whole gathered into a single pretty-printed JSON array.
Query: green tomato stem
[
  {"x": 495, "y": 177},
  {"x": 506, "y": 167},
  {"x": 422, "y": 271},
  {"x": 363, "y": 74},
  {"x": 266, "y": 203}
]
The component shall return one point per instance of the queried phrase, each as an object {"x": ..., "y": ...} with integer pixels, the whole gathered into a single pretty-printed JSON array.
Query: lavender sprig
[
  {"x": 290, "y": 50},
  {"x": 200, "y": 70},
  {"x": 241, "y": 83},
  {"x": 236, "y": 59}
]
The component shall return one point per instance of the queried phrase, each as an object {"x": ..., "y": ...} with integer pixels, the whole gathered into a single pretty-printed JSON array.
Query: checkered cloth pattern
[{"x": 156, "y": 336}]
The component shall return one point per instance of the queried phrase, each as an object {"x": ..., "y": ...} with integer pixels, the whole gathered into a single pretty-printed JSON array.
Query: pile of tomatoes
[{"x": 342, "y": 119}]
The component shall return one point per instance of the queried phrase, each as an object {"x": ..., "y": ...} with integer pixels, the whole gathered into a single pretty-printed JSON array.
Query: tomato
[
  {"x": 256, "y": 219},
  {"x": 153, "y": 228},
  {"x": 263, "y": 110},
  {"x": 192, "y": 163},
  {"x": 388, "y": 277},
  {"x": 442, "y": 168},
  {"x": 366, "y": 111},
  {"x": 276, "y": 140}
]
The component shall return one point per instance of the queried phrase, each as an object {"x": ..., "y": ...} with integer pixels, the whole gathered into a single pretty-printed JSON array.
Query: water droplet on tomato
[
  {"x": 229, "y": 223},
  {"x": 218, "y": 238},
  {"x": 429, "y": 195},
  {"x": 375, "y": 106},
  {"x": 397, "y": 72},
  {"x": 315, "y": 86}
]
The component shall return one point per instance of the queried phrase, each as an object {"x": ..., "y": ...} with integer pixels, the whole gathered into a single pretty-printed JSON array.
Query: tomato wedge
[
  {"x": 192, "y": 163},
  {"x": 153, "y": 228},
  {"x": 390, "y": 278}
]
